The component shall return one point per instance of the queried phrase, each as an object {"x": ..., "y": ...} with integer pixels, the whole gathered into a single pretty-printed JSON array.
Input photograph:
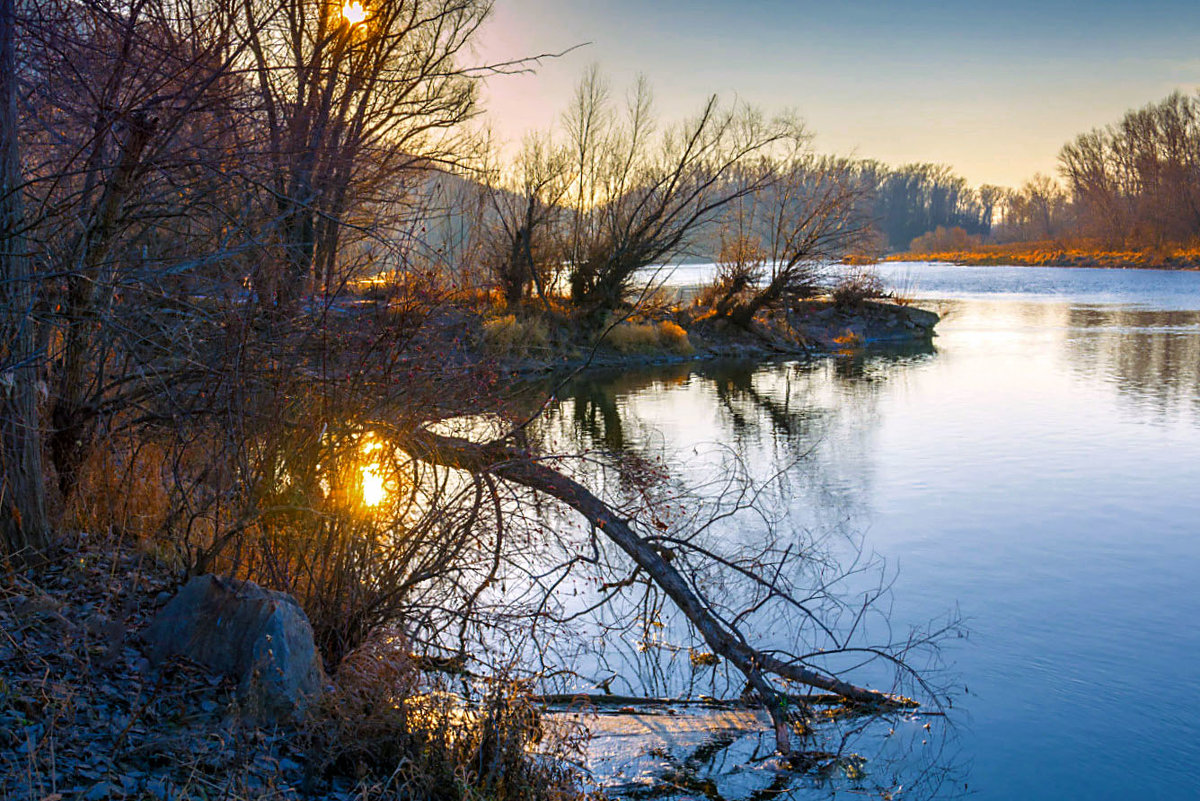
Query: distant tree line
[
  {"x": 1137, "y": 183},
  {"x": 910, "y": 200},
  {"x": 1132, "y": 185}
]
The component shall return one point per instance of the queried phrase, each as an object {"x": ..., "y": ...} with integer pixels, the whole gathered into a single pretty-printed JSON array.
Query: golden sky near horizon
[{"x": 994, "y": 90}]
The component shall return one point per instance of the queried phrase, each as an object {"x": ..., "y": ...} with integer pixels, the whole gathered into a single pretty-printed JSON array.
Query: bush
[
  {"x": 405, "y": 736},
  {"x": 856, "y": 287},
  {"x": 943, "y": 239},
  {"x": 673, "y": 337}
]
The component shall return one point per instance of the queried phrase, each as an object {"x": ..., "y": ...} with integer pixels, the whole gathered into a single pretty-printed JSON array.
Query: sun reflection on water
[{"x": 372, "y": 484}]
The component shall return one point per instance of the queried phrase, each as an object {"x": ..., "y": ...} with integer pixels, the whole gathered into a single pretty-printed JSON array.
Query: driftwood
[
  {"x": 608, "y": 700},
  {"x": 520, "y": 467}
]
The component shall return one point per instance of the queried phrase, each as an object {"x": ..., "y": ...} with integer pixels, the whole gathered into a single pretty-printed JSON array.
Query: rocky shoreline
[{"x": 85, "y": 715}]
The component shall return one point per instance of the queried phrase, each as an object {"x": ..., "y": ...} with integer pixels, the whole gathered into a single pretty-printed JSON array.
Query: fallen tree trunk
[{"x": 520, "y": 467}]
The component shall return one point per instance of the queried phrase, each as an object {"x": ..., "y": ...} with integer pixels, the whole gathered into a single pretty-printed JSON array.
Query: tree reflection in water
[{"x": 721, "y": 438}]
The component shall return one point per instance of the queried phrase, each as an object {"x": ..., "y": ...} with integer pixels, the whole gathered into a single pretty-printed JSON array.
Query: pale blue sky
[{"x": 993, "y": 89}]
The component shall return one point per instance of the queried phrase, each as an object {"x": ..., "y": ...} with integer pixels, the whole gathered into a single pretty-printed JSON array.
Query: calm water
[{"x": 1038, "y": 469}]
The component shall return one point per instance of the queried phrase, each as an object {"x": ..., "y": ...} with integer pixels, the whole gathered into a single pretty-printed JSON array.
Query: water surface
[{"x": 1038, "y": 469}]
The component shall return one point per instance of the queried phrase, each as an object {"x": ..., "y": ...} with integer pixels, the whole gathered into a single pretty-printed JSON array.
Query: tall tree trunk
[
  {"x": 91, "y": 284},
  {"x": 23, "y": 526}
]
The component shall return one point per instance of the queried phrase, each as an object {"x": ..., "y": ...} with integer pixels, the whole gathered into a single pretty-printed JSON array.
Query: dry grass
[
  {"x": 510, "y": 335},
  {"x": 650, "y": 337},
  {"x": 860, "y": 259},
  {"x": 408, "y": 737},
  {"x": 1059, "y": 254},
  {"x": 124, "y": 487},
  {"x": 848, "y": 340}
]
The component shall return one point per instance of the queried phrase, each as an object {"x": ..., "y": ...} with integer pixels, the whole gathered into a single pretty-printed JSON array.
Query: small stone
[
  {"x": 159, "y": 789},
  {"x": 100, "y": 790}
]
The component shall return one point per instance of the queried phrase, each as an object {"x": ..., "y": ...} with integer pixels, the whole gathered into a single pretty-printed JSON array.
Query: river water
[{"x": 1037, "y": 469}]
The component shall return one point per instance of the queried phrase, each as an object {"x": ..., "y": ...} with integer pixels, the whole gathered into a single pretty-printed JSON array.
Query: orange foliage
[{"x": 1062, "y": 254}]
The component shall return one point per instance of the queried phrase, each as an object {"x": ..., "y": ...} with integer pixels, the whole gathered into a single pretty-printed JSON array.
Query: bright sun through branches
[{"x": 353, "y": 12}]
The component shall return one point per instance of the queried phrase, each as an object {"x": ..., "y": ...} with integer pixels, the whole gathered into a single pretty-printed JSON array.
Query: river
[{"x": 1036, "y": 471}]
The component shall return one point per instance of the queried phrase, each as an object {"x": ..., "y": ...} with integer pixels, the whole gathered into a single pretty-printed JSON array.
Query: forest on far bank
[{"x": 1128, "y": 194}]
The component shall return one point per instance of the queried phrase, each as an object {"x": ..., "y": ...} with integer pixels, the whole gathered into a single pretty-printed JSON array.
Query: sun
[{"x": 353, "y": 12}]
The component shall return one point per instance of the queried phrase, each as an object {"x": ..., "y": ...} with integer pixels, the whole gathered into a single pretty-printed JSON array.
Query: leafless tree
[
  {"x": 811, "y": 212},
  {"x": 129, "y": 121},
  {"x": 351, "y": 104},
  {"x": 1135, "y": 182},
  {"x": 670, "y": 563},
  {"x": 1040, "y": 209},
  {"x": 639, "y": 193},
  {"x": 23, "y": 523},
  {"x": 523, "y": 244}
]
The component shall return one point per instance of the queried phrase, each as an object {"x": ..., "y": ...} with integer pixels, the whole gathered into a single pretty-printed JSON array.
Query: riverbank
[
  {"x": 811, "y": 328},
  {"x": 1054, "y": 254},
  {"x": 85, "y": 713}
]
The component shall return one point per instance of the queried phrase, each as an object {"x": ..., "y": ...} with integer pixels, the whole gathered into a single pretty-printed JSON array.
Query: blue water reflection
[{"x": 1041, "y": 470}]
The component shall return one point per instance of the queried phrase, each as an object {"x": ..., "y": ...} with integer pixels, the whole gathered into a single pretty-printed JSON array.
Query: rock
[
  {"x": 287, "y": 765},
  {"x": 921, "y": 318},
  {"x": 259, "y": 637},
  {"x": 99, "y": 791}
]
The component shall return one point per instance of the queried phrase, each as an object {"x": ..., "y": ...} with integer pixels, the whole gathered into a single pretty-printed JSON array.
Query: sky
[{"x": 993, "y": 89}]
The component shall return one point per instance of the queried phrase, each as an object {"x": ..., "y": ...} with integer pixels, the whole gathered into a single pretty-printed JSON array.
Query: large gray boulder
[{"x": 260, "y": 637}]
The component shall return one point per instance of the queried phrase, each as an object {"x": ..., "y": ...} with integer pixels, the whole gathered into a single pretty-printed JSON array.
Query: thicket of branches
[{"x": 190, "y": 192}]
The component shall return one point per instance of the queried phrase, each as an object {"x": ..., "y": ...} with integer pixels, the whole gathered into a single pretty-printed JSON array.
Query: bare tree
[
  {"x": 524, "y": 251},
  {"x": 652, "y": 555},
  {"x": 129, "y": 122},
  {"x": 353, "y": 99},
  {"x": 22, "y": 490},
  {"x": 1038, "y": 210},
  {"x": 814, "y": 213},
  {"x": 638, "y": 194},
  {"x": 1134, "y": 182}
]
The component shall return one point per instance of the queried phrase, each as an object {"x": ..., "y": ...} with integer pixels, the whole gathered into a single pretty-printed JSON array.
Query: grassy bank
[
  {"x": 525, "y": 342},
  {"x": 1058, "y": 254}
]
